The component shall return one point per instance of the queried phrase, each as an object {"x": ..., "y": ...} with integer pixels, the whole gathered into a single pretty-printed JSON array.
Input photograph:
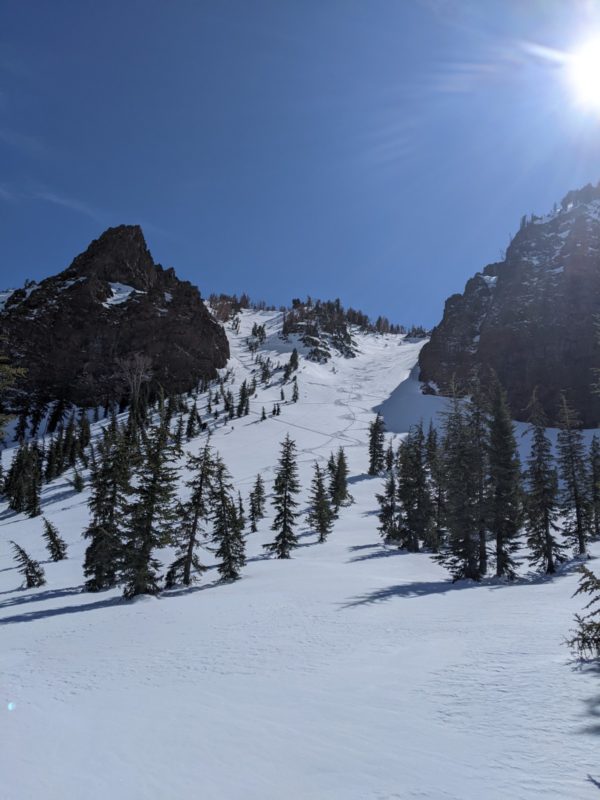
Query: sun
[{"x": 583, "y": 66}]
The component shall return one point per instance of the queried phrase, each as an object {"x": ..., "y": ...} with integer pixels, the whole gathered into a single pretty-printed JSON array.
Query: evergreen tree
[
  {"x": 191, "y": 429},
  {"x": 34, "y": 482},
  {"x": 293, "y": 362},
  {"x": 320, "y": 515},
  {"x": 295, "y": 392},
  {"x": 376, "y": 445},
  {"x": 227, "y": 530},
  {"x": 571, "y": 460},
  {"x": 389, "y": 512},
  {"x": 241, "y": 511},
  {"x": 108, "y": 504},
  {"x": 149, "y": 521},
  {"x": 192, "y": 514},
  {"x": 263, "y": 416},
  {"x": 505, "y": 484},
  {"x": 55, "y": 544},
  {"x": 459, "y": 553},
  {"x": 285, "y": 489},
  {"x": 389, "y": 458},
  {"x": 586, "y": 641},
  {"x": 413, "y": 492},
  {"x": 29, "y": 568},
  {"x": 436, "y": 487},
  {"x": 178, "y": 436},
  {"x": 338, "y": 485},
  {"x": 257, "y": 503},
  {"x": 541, "y": 501},
  {"x": 78, "y": 482},
  {"x": 477, "y": 418},
  {"x": 594, "y": 485}
]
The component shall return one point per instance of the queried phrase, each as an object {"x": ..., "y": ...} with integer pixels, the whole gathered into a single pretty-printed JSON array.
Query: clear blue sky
[{"x": 379, "y": 151}]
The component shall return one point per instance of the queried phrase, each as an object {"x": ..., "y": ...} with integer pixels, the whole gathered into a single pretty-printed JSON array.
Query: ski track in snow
[{"x": 350, "y": 672}]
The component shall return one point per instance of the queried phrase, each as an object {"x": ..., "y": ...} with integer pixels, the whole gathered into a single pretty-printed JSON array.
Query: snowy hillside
[{"x": 349, "y": 672}]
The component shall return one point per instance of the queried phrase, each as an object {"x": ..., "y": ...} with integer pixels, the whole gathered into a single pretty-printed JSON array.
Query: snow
[
  {"x": 4, "y": 297},
  {"x": 120, "y": 294},
  {"x": 350, "y": 672}
]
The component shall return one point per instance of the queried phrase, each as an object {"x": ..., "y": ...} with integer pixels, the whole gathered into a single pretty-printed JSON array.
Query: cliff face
[
  {"x": 533, "y": 317},
  {"x": 72, "y": 332}
]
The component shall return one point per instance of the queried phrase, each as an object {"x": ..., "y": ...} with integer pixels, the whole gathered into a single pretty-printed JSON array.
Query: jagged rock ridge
[
  {"x": 73, "y": 331},
  {"x": 532, "y": 318}
]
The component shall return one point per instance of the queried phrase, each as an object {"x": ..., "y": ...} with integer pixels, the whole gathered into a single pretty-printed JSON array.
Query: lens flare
[{"x": 583, "y": 67}]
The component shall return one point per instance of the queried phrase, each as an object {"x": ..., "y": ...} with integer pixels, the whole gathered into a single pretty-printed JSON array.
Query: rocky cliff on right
[{"x": 533, "y": 318}]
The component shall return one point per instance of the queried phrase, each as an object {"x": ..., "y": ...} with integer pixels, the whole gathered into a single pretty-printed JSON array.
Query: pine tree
[
  {"x": 338, "y": 485},
  {"x": 436, "y": 487},
  {"x": 285, "y": 488},
  {"x": 413, "y": 492},
  {"x": 29, "y": 568},
  {"x": 108, "y": 504},
  {"x": 148, "y": 524},
  {"x": 459, "y": 553},
  {"x": 78, "y": 482},
  {"x": 505, "y": 484},
  {"x": 541, "y": 501},
  {"x": 477, "y": 418},
  {"x": 572, "y": 467},
  {"x": 586, "y": 641},
  {"x": 389, "y": 512},
  {"x": 389, "y": 458},
  {"x": 227, "y": 530},
  {"x": 257, "y": 503},
  {"x": 192, "y": 514},
  {"x": 320, "y": 515},
  {"x": 34, "y": 482},
  {"x": 293, "y": 362},
  {"x": 594, "y": 485},
  {"x": 55, "y": 544},
  {"x": 241, "y": 511},
  {"x": 191, "y": 428},
  {"x": 295, "y": 392},
  {"x": 263, "y": 415},
  {"x": 178, "y": 436},
  {"x": 376, "y": 445}
]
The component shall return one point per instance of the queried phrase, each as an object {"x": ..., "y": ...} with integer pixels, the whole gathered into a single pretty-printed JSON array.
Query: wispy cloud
[
  {"x": 32, "y": 145},
  {"x": 72, "y": 203}
]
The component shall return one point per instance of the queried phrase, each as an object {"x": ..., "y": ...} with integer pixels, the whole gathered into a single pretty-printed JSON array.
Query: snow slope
[{"x": 350, "y": 672}]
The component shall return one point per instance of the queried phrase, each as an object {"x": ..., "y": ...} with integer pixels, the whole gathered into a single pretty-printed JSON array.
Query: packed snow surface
[{"x": 350, "y": 672}]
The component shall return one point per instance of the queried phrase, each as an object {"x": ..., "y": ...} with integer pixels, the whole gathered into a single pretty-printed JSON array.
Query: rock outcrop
[
  {"x": 532, "y": 318},
  {"x": 74, "y": 332}
]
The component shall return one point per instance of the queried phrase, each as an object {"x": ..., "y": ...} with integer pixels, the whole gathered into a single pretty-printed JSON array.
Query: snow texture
[
  {"x": 350, "y": 672},
  {"x": 120, "y": 294}
]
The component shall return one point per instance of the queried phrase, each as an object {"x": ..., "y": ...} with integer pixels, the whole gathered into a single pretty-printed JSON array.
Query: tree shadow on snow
[
  {"x": 33, "y": 616},
  {"x": 414, "y": 589},
  {"x": 381, "y": 552},
  {"x": 36, "y": 597}
]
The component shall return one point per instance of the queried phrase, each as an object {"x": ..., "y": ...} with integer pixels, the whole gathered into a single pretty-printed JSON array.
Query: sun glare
[{"x": 584, "y": 74}]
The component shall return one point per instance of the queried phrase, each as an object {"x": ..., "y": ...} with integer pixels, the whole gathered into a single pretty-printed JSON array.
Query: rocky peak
[
  {"x": 531, "y": 317},
  {"x": 119, "y": 255},
  {"x": 72, "y": 330}
]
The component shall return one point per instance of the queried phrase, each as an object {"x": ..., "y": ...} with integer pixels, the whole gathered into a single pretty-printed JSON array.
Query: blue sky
[{"x": 380, "y": 151}]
